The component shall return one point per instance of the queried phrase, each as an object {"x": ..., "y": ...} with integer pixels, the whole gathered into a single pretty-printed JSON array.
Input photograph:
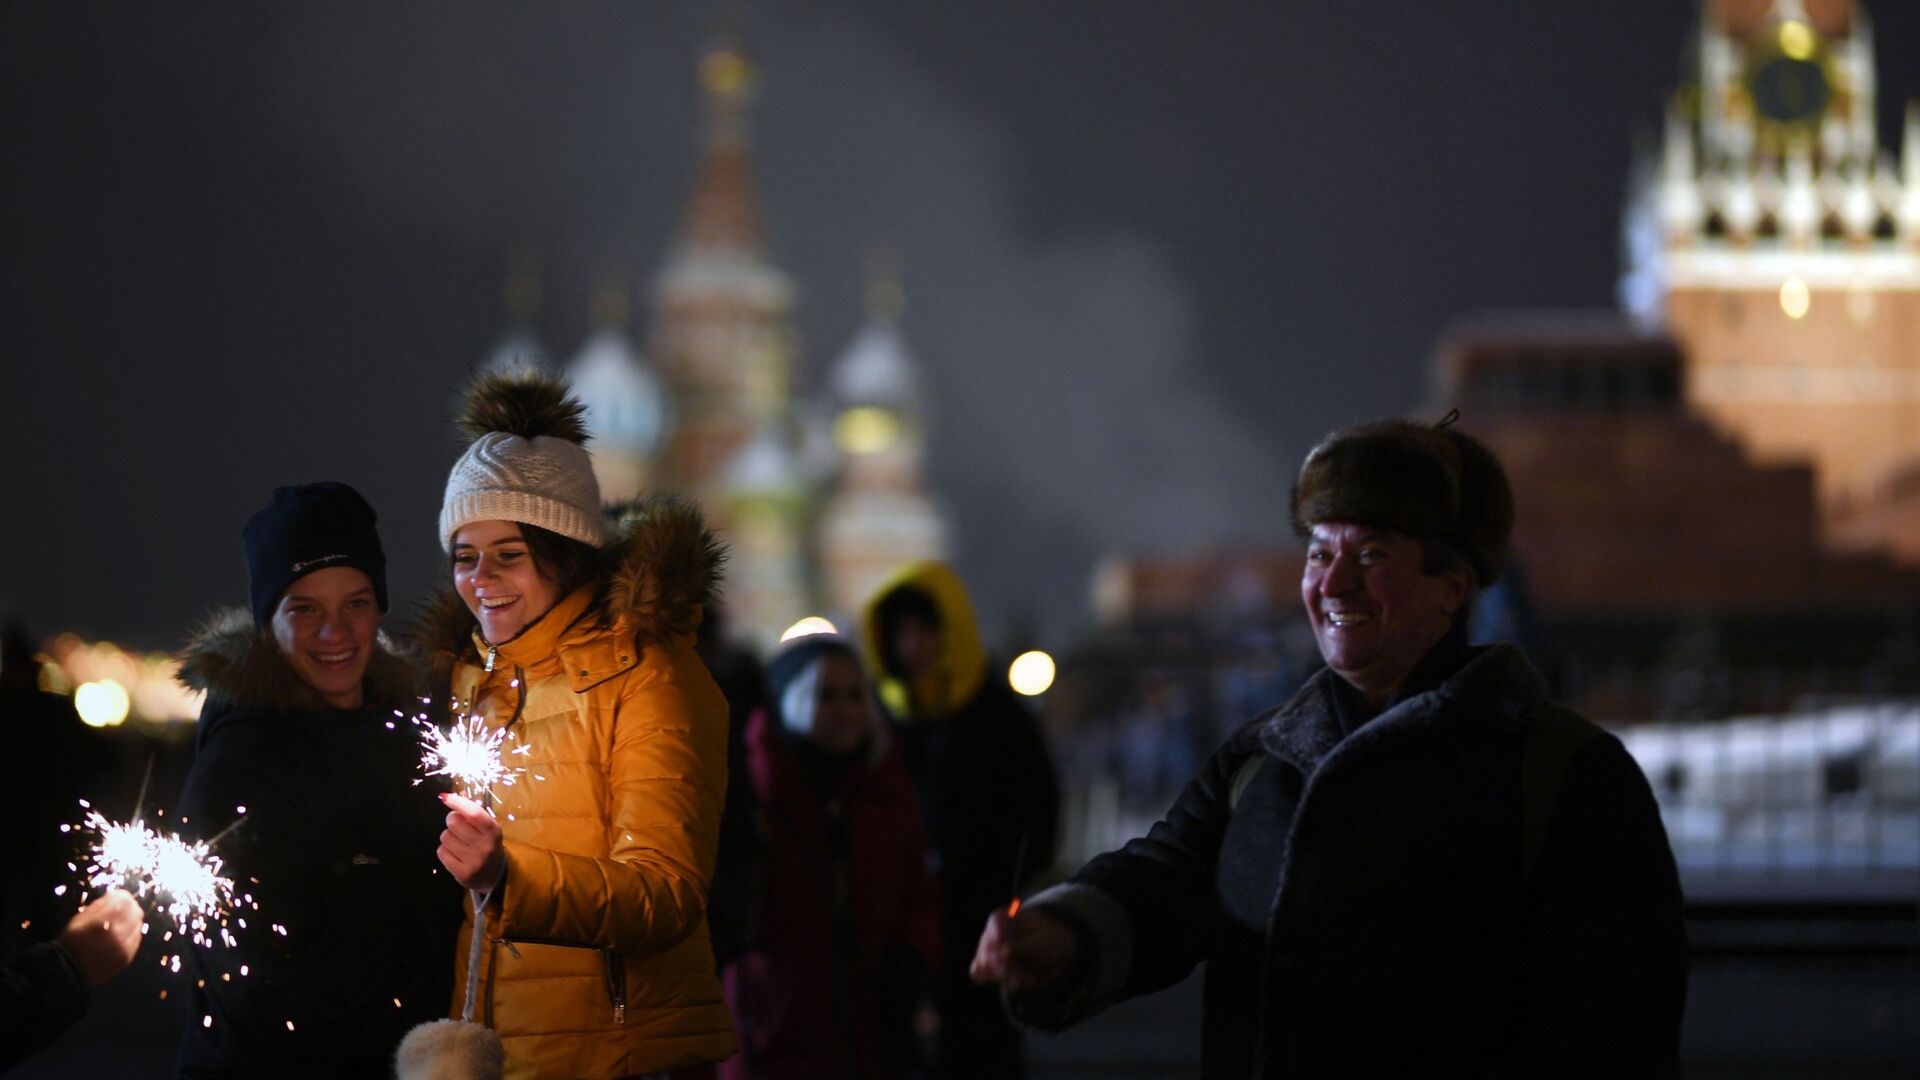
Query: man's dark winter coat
[
  {"x": 1364, "y": 906},
  {"x": 337, "y": 847}
]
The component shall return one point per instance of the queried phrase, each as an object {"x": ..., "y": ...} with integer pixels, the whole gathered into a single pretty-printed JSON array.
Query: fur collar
[
  {"x": 237, "y": 662},
  {"x": 1497, "y": 689},
  {"x": 665, "y": 567}
]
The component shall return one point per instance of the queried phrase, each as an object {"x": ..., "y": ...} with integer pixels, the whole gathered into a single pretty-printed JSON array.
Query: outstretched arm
[{"x": 1131, "y": 921}]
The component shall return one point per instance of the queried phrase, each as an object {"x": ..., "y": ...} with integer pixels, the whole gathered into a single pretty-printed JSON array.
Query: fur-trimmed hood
[
  {"x": 240, "y": 667},
  {"x": 665, "y": 565}
]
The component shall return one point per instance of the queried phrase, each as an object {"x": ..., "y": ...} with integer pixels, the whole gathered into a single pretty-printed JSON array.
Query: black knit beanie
[{"x": 308, "y": 527}]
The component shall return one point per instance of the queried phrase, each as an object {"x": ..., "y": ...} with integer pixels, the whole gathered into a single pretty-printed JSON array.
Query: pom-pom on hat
[
  {"x": 528, "y": 462},
  {"x": 304, "y": 528},
  {"x": 1431, "y": 483}
]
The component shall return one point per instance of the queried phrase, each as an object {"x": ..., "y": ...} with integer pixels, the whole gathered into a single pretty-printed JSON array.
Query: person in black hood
[
  {"x": 1420, "y": 865},
  {"x": 306, "y": 741}
]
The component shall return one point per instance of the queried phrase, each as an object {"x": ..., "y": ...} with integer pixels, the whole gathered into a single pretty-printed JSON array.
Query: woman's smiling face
[{"x": 495, "y": 574}]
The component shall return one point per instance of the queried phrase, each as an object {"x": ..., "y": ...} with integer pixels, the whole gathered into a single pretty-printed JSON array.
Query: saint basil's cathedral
[{"x": 818, "y": 497}]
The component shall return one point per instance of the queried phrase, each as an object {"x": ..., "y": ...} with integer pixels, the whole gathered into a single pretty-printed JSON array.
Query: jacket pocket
[{"x": 563, "y": 977}]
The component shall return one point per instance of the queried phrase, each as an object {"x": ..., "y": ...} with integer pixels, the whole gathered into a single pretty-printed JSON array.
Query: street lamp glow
[
  {"x": 102, "y": 704},
  {"x": 812, "y": 624},
  {"x": 1031, "y": 673}
]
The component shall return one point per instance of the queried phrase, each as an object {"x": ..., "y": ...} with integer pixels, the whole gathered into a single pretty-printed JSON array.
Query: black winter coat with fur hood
[
  {"x": 1364, "y": 904},
  {"x": 337, "y": 847}
]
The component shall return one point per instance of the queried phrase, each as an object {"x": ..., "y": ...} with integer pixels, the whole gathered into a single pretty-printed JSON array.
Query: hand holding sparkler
[
  {"x": 471, "y": 845},
  {"x": 181, "y": 877},
  {"x": 103, "y": 936},
  {"x": 468, "y": 753},
  {"x": 1031, "y": 951}
]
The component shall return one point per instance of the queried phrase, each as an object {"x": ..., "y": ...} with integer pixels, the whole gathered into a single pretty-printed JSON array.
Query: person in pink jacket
[{"x": 833, "y": 981}]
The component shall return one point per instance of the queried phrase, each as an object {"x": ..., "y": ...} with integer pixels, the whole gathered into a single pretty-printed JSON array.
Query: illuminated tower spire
[
  {"x": 1792, "y": 289},
  {"x": 879, "y": 515},
  {"x": 722, "y": 334}
]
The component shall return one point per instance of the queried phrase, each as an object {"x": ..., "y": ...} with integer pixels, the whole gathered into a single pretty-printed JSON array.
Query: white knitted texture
[{"x": 544, "y": 481}]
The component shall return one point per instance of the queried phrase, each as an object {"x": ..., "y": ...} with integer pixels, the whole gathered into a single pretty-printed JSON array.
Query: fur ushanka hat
[{"x": 1432, "y": 483}]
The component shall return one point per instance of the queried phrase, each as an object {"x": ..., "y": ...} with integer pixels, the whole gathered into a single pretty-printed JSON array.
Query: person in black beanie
[{"x": 305, "y": 734}]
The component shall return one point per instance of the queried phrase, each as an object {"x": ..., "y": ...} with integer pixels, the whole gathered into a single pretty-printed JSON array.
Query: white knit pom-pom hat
[
  {"x": 526, "y": 462},
  {"x": 544, "y": 481}
]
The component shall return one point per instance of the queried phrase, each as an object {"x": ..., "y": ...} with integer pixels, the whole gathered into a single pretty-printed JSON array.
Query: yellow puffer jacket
[{"x": 595, "y": 961}]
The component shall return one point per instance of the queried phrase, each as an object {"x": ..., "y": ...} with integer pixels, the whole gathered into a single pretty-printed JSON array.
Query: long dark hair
[{"x": 563, "y": 562}]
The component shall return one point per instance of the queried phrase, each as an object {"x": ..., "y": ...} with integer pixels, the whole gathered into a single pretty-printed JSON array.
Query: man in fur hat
[{"x": 1418, "y": 866}]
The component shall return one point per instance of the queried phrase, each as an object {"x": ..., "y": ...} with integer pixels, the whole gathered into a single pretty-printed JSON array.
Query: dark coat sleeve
[
  {"x": 1162, "y": 887},
  {"x": 1605, "y": 947},
  {"x": 1165, "y": 880},
  {"x": 40, "y": 994}
]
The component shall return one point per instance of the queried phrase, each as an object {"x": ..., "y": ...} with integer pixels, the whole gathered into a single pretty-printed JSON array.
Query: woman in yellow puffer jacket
[{"x": 575, "y": 634}]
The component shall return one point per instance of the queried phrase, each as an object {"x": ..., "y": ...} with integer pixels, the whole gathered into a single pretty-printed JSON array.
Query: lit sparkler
[
  {"x": 467, "y": 753},
  {"x": 182, "y": 877}
]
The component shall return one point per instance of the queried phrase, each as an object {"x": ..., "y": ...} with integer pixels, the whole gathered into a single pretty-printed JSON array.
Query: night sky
[{"x": 1150, "y": 251}]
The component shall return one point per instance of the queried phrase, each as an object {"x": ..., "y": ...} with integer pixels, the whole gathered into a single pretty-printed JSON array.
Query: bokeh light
[
  {"x": 812, "y": 624},
  {"x": 865, "y": 429},
  {"x": 1795, "y": 299},
  {"x": 1031, "y": 673},
  {"x": 103, "y": 703}
]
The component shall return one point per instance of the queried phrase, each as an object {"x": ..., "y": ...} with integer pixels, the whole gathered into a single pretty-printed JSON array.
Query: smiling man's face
[{"x": 1375, "y": 612}]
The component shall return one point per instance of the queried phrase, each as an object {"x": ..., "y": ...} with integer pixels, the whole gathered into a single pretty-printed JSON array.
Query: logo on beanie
[{"x": 301, "y": 567}]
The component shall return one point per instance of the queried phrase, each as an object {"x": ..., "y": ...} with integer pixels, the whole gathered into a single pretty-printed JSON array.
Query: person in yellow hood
[
  {"x": 589, "y": 953},
  {"x": 986, "y": 785}
]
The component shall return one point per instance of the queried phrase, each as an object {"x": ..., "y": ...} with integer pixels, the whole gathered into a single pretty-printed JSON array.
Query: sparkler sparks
[
  {"x": 468, "y": 753},
  {"x": 182, "y": 878}
]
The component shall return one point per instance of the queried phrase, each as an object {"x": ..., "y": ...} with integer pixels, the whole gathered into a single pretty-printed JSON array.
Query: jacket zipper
[
  {"x": 611, "y": 960},
  {"x": 616, "y": 983}
]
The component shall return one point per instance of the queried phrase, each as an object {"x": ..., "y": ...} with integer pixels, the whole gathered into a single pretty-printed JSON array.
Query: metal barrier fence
[
  {"x": 1794, "y": 804},
  {"x": 1823, "y": 792}
]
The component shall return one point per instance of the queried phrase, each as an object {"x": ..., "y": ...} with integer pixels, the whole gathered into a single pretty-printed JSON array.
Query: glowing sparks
[
  {"x": 468, "y": 753},
  {"x": 179, "y": 878}
]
